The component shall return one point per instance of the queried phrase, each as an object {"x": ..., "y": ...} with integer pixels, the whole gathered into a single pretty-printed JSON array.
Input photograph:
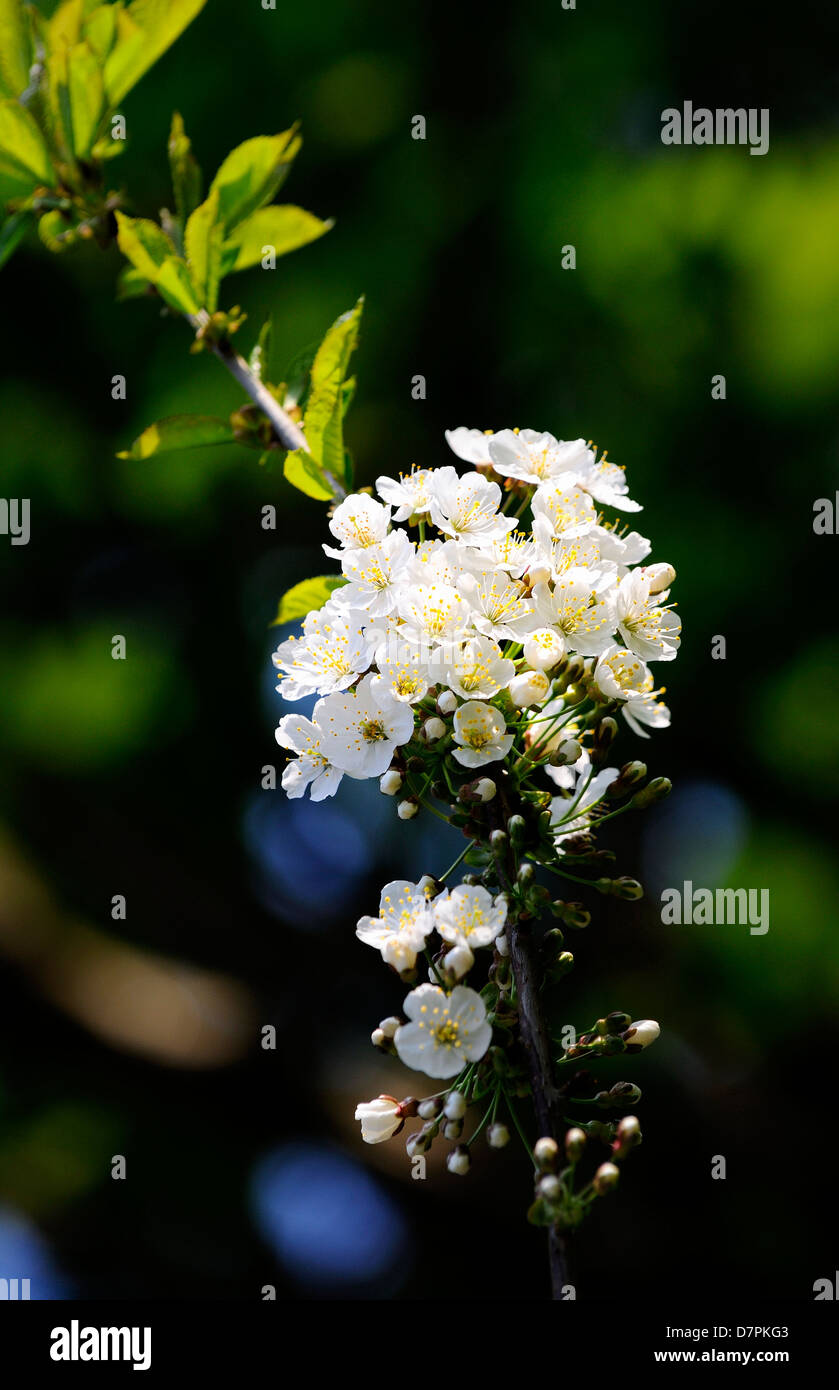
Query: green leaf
[
  {"x": 186, "y": 175},
  {"x": 11, "y": 232},
  {"x": 100, "y": 29},
  {"x": 179, "y": 432},
  {"x": 323, "y": 418},
  {"x": 65, "y": 27},
  {"x": 15, "y": 47},
  {"x": 296, "y": 375},
  {"x": 306, "y": 597},
  {"x": 144, "y": 32},
  {"x": 303, "y": 473},
  {"x": 131, "y": 284},
  {"x": 152, "y": 253},
  {"x": 22, "y": 144},
  {"x": 281, "y": 229},
  {"x": 252, "y": 173},
  {"x": 203, "y": 241},
  {"x": 87, "y": 96}
]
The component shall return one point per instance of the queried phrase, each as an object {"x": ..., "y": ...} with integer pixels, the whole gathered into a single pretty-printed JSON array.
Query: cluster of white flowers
[
  {"x": 454, "y": 632},
  {"x": 486, "y": 622}
]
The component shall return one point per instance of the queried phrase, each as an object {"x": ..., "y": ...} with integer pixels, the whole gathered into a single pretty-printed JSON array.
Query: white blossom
[
  {"x": 466, "y": 507},
  {"x": 360, "y": 521},
  {"x": 329, "y": 656},
  {"x": 469, "y": 916},
  {"x": 480, "y": 730},
  {"x": 445, "y": 1032},
  {"x": 311, "y": 768},
  {"x": 405, "y": 920},
  {"x": 408, "y": 494},
  {"x": 361, "y": 730}
]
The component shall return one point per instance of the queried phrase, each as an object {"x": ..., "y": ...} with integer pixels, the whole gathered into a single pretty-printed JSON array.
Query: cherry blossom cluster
[{"x": 486, "y": 628}]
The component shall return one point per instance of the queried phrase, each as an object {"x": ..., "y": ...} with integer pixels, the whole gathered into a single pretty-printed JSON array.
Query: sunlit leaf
[
  {"x": 252, "y": 173},
  {"x": 203, "y": 241},
  {"x": 22, "y": 143},
  {"x": 15, "y": 47},
  {"x": 306, "y": 597},
  {"x": 131, "y": 284},
  {"x": 100, "y": 29},
  {"x": 179, "y": 432},
  {"x": 303, "y": 473},
  {"x": 186, "y": 175},
  {"x": 87, "y": 96},
  {"x": 323, "y": 419},
  {"x": 144, "y": 32},
  {"x": 280, "y": 229},
  {"x": 152, "y": 253}
]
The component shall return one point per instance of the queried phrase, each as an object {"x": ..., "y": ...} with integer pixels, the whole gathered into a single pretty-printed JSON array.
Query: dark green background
[{"x": 143, "y": 777}]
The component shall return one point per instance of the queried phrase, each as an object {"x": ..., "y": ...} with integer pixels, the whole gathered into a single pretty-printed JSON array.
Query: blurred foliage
[{"x": 143, "y": 777}]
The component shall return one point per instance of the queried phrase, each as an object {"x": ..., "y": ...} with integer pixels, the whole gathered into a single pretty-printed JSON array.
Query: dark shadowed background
[{"x": 142, "y": 1037}]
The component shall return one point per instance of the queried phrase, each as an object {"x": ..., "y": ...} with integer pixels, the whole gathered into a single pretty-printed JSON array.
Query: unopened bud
[
  {"x": 486, "y": 788},
  {"x": 549, "y": 1187},
  {"x": 630, "y": 775},
  {"x": 430, "y": 1109},
  {"x": 605, "y": 1178},
  {"x": 525, "y": 874},
  {"x": 452, "y": 1129},
  {"x": 458, "y": 1160},
  {"x": 390, "y": 782},
  {"x": 657, "y": 790},
  {"x": 626, "y": 1092},
  {"x": 641, "y": 1034},
  {"x": 406, "y": 810},
  {"x": 661, "y": 576},
  {"x": 420, "y": 1142},
  {"x": 567, "y": 753},
  {"x": 446, "y": 702},
  {"x": 458, "y": 961},
  {"x": 433, "y": 729},
  {"x": 379, "y": 1038},
  {"x": 546, "y": 1154},
  {"x": 516, "y": 829},
  {"x": 575, "y": 1142},
  {"x": 543, "y": 649},
  {"x": 629, "y": 889},
  {"x": 498, "y": 841},
  {"x": 389, "y": 1025},
  {"x": 529, "y": 688},
  {"x": 629, "y": 1133},
  {"x": 455, "y": 1106},
  {"x": 498, "y": 1136}
]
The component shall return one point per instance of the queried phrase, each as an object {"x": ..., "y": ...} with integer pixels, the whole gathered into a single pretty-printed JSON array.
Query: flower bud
[
  {"x": 379, "y": 1038},
  {"x": 625, "y": 1092},
  {"x": 455, "y": 1106},
  {"x": 433, "y": 729},
  {"x": 430, "y": 1109},
  {"x": 502, "y": 945},
  {"x": 486, "y": 788},
  {"x": 628, "y": 1135},
  {"x": 529, "y": 688},
  {"x": 605, "y": 733},
  {"x": 629, "y": 889},
  {"x": 525, "y": 874},
  {"x": 641, "y": 1034},
  {"x": 661, "y": 576},
  {"x": 389, "y": 1025},
  {"x": 498, "y": 1136},
  {"x": 538, "y": 574},
  {"x": 549, "y": 1187},
  {"x": 380, "y": 1119},
  {"x": 575, "y": 1142},
  {"x": 458, "y": 961},
  {"x": 458, "y": 1160},
  {"x": 517, "y": 829},
  {"x": 452, "y": 1129},
  {"x": 546, "y": 1154},
  {"x": 630, "y": 775},
  {"x": 498, "y": 841},
  {"x": 568, "y": 752},
  {"x": 390, "y": 782},
  {"x": 657, "y": 790},
  {"x": 420, "y": 1142},
  {"x": 406, "y": 810},
  {"x": 446, "y": 702},
  {"x": 544, "y": 649},
  {"x": 605, "y": 1178}
]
